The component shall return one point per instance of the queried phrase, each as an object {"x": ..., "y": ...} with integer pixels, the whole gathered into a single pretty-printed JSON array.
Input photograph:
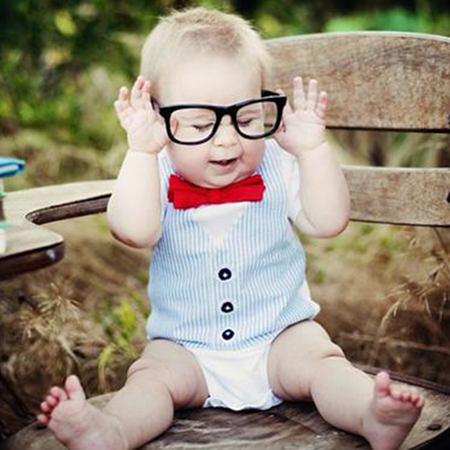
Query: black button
[
  {"x": 224, "y": 274},
  {"x": 228, "y": 334},
  {"x": 227, "y": 307}
]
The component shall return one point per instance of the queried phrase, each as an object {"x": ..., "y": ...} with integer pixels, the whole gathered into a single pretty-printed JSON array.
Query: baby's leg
[
  {"x": 305, "y": 365},
  {"x": 167, "y": 377}
]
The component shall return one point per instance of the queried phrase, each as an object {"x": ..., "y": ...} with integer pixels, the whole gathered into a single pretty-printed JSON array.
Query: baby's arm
[
  {"x": 323, "y": 190},
  {"x": 134, "y": 210}
]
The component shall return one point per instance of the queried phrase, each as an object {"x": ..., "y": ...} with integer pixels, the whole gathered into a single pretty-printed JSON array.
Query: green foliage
[
  {"x": 123, "y": 325},
  {"x": 48, "y": 47},
  {"x": 394, "y": 19}
]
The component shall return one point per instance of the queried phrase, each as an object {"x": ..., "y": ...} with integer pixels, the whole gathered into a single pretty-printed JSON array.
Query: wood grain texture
[
  {"x": 286, "y": 427},
  {"x": 399, "y": 196},
  {"x": 375, "y": 80},
  {"x": 31, "y": 247}
]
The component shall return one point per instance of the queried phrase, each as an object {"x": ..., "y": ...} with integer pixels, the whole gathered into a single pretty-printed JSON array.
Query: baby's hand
[
  {"x": 303, "y": 128},
  {"x": 136, "y": 115}
]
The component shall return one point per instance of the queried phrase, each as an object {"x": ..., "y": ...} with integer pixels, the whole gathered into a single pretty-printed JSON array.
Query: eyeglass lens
[{"x": 197, "y": 124}]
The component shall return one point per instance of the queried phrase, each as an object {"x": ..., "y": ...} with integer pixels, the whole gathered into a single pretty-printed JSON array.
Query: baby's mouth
[{"x": 224, "y": 162}]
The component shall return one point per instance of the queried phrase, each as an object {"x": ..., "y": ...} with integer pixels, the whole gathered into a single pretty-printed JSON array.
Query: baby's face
[{"x": 217, "y": 80}]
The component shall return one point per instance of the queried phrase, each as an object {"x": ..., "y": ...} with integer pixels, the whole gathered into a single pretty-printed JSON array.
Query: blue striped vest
[{"x": 240, "y": 293}]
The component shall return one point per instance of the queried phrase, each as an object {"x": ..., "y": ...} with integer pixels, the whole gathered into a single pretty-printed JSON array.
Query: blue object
[{"x": 10, "y": 166}]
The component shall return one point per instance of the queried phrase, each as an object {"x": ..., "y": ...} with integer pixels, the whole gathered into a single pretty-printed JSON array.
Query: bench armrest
[{"x": 31, "y": 247}]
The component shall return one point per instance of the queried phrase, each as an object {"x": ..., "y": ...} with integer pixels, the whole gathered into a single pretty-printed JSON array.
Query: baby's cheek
[
  {"x": 181, "y": 159},
  {"x": 255, "y": 154},
  {"x": 190, "y": 168},
  {"x": 195, "y": 171}
]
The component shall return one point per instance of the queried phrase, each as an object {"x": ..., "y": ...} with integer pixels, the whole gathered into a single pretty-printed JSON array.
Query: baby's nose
[{"x": 226, "y": 134}]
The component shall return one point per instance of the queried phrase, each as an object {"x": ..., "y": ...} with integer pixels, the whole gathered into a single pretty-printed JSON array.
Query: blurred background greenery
[{"x": 61, "y": 65}]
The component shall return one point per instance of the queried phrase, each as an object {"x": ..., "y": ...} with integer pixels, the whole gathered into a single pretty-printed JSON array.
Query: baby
[{"x": 232, "y": 322}]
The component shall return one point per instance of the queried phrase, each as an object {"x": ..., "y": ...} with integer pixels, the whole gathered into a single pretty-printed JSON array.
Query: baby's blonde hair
[{"x": 205, "y": 31}]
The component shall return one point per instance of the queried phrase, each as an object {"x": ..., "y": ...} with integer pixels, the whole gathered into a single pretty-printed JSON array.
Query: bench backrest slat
[
  {"x": 378, "y": 194},
  {"x": 399, "y": 196},
  {"x": 376, "y": 80}
]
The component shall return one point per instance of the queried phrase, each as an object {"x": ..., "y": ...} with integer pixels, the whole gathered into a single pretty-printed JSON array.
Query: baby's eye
[
  {"x": 204, "y": 127},
  {"x": 245, "y": 123}
]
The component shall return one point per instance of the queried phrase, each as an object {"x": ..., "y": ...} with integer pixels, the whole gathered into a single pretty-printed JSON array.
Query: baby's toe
[
  {"x": 52, "y": 401},
  {"x": 419, "y": 402},
  {"x": 396, "y": 393},
  {"x": 406, "y": 396},
  {"x": 45, "y": 407},
  {"x": 415, "y": 395},
  {"x": 42, "y": 418},
  {"x": 58, "y": 393}
]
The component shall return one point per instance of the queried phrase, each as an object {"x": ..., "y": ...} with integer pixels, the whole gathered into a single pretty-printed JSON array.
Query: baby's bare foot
[
  {"x": 76, "y": 423},
  {"x": 392, "y": 413}
]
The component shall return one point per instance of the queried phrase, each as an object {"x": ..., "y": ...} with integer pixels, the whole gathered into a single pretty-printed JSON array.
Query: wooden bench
[{"x": 376, "y": 81}]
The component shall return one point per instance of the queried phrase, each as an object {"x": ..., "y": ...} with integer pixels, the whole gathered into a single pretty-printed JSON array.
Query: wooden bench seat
[
  {"x": 286, "y": 427},
  {"x": 376, "y": 81}
]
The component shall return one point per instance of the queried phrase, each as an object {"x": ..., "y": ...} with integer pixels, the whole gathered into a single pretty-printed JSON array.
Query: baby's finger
[
  {"x": 123, "y": 109},
  {"x": 322, "y": 105},
  {"x": 287, "y": 109},
  {"x": 299, "y": 94},
  {"x": 122, "y": 99},
  {"x": 123, "y": 94},
  {"x": 126, "y": 118},
  {"x": 146, "y": 96},
  {"x": 161, "y": 134},
  {"x": 311, "y": 100},
  {"x": 136, "y": 91},
  {"x": 122, "y": 103},
  {"x": 124, "y": 112},
  {"x": 146, "y": 87}
]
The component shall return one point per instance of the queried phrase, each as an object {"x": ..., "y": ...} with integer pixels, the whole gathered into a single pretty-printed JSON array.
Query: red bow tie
[{"x": 185, "y": 195}]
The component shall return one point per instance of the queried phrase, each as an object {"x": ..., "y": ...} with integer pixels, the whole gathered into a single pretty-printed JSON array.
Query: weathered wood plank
[
  {"x": 51, "y": 203},
  {"x": 399, "y": 196},
  {"x": 376, "y": 80},
  {"x": 288, "y": 426},
  {"x": 30, "y": 247}
]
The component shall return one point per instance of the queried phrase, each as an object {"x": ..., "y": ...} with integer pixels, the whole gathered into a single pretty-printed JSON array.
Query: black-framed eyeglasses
[{"x": 197, "y": 123}]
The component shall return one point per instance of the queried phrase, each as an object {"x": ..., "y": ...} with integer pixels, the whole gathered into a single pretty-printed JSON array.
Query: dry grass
[
  {"x": 67, "y": 319},
  {"x": 388, "y": 307}
]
